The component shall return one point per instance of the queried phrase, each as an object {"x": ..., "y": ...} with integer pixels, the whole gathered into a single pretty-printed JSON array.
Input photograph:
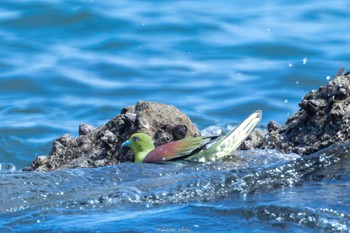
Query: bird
[{"x": 192, "y": 149}]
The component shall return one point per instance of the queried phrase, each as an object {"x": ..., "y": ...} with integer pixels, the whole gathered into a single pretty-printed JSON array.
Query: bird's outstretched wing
[{"x": 177, "y": 149}]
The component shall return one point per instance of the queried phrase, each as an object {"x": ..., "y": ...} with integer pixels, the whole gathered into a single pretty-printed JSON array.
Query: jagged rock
[
  {"x": 255, "y": 140},
  {"x": 322, "y": 120},
  {"x": 102, "y": 146},
  {"x": 85, "y": 129}
]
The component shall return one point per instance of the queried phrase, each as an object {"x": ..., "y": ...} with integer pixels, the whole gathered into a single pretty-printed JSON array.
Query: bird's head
[{"x": 141, "y": 144}]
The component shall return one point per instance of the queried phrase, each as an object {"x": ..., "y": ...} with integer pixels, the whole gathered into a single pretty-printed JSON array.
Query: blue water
[{"x": 64, "y": 63}]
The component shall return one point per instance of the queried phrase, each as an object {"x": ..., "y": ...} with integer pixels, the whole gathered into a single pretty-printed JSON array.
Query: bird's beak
[{"x": 126, "y": 144}]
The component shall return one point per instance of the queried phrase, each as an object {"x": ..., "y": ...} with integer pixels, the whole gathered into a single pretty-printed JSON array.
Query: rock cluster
[
  {"x": 101, "y": 146},
  {"x": 322, "y": 120}
]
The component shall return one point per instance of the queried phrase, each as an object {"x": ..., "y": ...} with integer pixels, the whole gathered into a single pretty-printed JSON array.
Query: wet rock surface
[
  {"x": 322, "y": 120},
  {"x": 101, "y": 146},
  {"x": 255, "y": 140}
]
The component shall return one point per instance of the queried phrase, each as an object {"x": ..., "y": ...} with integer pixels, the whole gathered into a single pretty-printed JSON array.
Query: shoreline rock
[
  {"x": 322, "y": 120},
  {"x": 101, "y": 146}
]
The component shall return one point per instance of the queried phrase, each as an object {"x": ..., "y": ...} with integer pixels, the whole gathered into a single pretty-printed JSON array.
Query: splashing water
[{"x": 127, "y": 191}]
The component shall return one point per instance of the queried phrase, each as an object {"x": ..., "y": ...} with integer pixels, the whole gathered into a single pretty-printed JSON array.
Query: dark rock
[
  {"x": 85, "y": 129},
  {"x": 342, "y": 92},
  {"x": 310, "y": 106},
  {"x": 322, "y": 120},
  {"x": 273, "y": 126},
  {"x": 255, "y": 140},
  {"x": 102, "y": 146}
]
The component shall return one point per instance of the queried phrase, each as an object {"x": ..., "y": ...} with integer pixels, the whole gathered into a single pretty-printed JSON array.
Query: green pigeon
[{"x": 192, "y": 148}]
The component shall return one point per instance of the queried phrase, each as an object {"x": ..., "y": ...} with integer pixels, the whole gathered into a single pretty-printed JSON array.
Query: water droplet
[
  {"x": 285, "y": 101},
  {"x": 269, "y": 29},
  {"x": 290, "y": 64},
  {"x": 297, "y": 82},
  {"x": 304, "y": 60},
  {"x": 328, "y": 77}
]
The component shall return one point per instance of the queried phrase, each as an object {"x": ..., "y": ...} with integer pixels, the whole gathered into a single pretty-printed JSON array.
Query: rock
[
  {"x": 85, "y": 129},
  {"x": 255, "y": 140},
  {"x": 102, "y": 146},
  {"x": 322, "y": 120},
  {"x": 272, "y": 126}
]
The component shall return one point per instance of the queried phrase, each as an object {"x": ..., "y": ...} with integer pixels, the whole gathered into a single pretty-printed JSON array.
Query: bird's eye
[{"x": 135, "y": 139}]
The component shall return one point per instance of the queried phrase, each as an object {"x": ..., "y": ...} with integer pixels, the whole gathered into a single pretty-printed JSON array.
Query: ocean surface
[{"x": 63, "y": 63}]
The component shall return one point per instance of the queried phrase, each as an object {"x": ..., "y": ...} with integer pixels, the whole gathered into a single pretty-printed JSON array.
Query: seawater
[{"x": 64, "y": 63}]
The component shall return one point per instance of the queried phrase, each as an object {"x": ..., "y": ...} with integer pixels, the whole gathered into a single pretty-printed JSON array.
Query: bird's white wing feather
[{"x": 230, "y": 142}]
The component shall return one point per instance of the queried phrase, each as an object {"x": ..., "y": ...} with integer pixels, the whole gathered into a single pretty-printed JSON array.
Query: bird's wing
[
  {"x": 177, "y": 149},
  {"x": 230, "y": 142}
]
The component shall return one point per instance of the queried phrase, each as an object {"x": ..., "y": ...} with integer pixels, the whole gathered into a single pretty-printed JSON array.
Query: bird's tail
[{"x": 230, "y": 142}]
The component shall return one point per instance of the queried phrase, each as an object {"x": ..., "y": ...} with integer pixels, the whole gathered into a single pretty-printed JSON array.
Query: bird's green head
[{"x": 141, "y": 144}]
